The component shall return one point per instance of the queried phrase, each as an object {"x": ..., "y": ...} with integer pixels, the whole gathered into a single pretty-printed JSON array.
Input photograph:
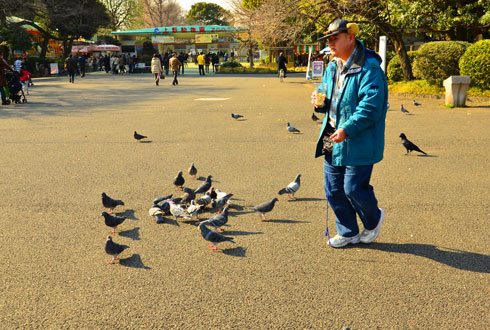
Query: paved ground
[{"x": 429, "y": 269}]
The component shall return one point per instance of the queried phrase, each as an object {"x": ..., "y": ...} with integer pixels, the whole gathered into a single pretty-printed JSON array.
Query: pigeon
[
  {"x": 113, "y": 249},
  {"x": 157, "y": 214},
  {"x": 314, "y": 117},
  {"x": 409, "y": 145},
  {"x": 213, "y": 237},
  {"x": 403, "y": 110},
  {"x": 192, "y": 170},
  {"x": 110, "y": 203},
  {"x": 193, "y": 210},
  {"x": 161, "y": 198},
  {"x": 219, "y": 220},
  {"x": 204, "y": 200},
  {"x": 177, "y": 211},
  {"x": 236, "y": 116},
  {"x": 416, "y": 103},
  {"x": 205, "y": 186},
  {"x": 219, "y": 203},
  {"x": 139, "y": 136},
  {"x": 292, "y": 187},
  {"x": 292, "y": 129},
  {"x": 220, "y": 194},
  {"x": 112, "y": 221},
  {"x": 265, "y": 207},
  {"x": 164, "y": 205},
  {"x": 190, "y": 191},
  {"x": 179, "y": 180},
  {"x": 212, "y": 193}
]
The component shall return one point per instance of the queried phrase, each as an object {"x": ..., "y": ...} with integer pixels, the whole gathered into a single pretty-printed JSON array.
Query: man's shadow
[{"x": 463, "y": 260}]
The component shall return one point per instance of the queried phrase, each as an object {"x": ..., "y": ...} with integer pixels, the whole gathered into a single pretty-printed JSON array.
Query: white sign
[
  {"x": 162, "y": 39},
  {"x": 317, "y": 69},
  {"x": 54, "y": 68}
]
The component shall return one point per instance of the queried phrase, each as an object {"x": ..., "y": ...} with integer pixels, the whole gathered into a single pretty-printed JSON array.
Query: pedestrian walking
[
  {"x": 156, "y": 68},
  {"x": 355, "y": 110},
  {"x": 175, "y": 65}
]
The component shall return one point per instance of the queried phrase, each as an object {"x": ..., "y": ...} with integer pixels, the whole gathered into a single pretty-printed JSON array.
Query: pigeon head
[
  {"x": 104, "y": 194},
  {"x": 104, "y": 214},
  {"x": 274, "y": 200},
  {"x": 403, "y": 136},
  {"x": 109, "y": 238},
  {"x": 289, "y": 124},
  {"x": 209, "y": 178},
  {"x": 179, "y": 173}
]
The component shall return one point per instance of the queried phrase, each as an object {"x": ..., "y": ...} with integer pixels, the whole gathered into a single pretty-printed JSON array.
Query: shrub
[
  {"x": 231, "y": 64},
  {"x": 475, "y": 63},
  {"x": 394, "y": 69},
  {"x": 436, "y": 61}
]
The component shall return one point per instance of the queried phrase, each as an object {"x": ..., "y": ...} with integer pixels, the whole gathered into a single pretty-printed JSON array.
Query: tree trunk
[
  {"x": 44, "y": 49},
  {"x": 251, "y": 55},
  {"x": 401, "y": 52}
]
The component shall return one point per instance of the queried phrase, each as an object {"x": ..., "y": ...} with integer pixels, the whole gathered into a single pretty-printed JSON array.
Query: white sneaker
[
  {"x": 368, "y": 236},
  {"x": 339, "y": 241}
]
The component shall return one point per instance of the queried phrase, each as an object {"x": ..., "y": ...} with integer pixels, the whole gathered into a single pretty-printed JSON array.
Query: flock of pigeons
[
  {"x": 189, "y": 206},
  {"x": 193, "y": 202}
]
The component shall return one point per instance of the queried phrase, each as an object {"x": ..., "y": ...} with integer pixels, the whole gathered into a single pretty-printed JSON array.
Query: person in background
[
  {"x": 156, "y": 68},
  {"x": 71, "y": 68},
  {"x": 200, "y": 62},
  {"x": 175, "y": 65},
  {"x": 4, "y": 66},
  {"x": 282, "y": 64},
  {"x": 24, "y": 77}
]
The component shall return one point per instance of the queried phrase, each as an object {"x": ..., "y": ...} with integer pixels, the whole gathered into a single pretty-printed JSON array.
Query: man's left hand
[{"x": 338, "y": 136}]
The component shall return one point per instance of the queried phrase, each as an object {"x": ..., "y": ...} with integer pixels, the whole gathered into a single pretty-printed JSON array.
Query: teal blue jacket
[{"x": 361, "y": 110}]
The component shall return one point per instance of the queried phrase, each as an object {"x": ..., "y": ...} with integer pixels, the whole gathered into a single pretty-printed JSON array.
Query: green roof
[{"x": 179, "y": 29}]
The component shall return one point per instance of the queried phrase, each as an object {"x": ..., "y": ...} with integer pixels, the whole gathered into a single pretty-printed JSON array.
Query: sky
[{"x": 186, "y": 4}]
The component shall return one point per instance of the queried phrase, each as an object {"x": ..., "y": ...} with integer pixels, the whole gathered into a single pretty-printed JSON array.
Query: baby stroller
[{"x": 16, "y": 94}]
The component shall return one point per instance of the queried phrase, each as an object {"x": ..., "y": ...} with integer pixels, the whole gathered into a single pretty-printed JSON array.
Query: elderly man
[{"x": 352, "y": 135}]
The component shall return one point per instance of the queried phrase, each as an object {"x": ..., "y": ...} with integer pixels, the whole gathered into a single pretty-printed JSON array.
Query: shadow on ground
[
  {"x": 133, "y": 262},
  {"x": 235, "y": 252},
  {"x": 463, "y": 260}
]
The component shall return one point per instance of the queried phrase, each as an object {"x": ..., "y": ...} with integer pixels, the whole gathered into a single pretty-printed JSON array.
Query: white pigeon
[
  {"x": 292, "y": 187},
  {"x": 178, "y": 211},
  {"x": 193, "y": 209},
  {"x": 292, "y": 129}
]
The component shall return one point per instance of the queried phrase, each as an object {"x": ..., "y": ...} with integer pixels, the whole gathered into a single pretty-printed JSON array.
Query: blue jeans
[{"x": 349, "y": 193}]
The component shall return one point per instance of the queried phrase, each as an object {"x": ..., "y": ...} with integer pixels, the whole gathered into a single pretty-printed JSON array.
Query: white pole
[
  {"x": 308, "y": 77},
  {"x": 382, "y": 51}
]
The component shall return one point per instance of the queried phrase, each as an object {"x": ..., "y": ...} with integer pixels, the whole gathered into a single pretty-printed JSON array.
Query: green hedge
[
  {"x": 394, "y": 69},
  {"x": 231, "y": 64},
  {"x": 436, "y": 61},
  {"x": 476, "y": 63}
]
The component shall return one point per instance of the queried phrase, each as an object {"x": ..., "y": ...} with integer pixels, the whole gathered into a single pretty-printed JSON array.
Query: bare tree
[
  {"x": 122, "y": 12},
  {"x": 162, "y": 13}
]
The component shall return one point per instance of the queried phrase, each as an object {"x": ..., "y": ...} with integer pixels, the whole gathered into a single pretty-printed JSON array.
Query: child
[{"x": 24, "y": 79}]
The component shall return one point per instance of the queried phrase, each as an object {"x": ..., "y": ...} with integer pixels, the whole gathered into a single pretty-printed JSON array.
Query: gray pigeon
[
  {"x": 219, "y": 203},
  {"x": 205, "y": 186},
  {"x": 292, "y": 129},
  {"x": 112, "y": 221},
  {"x": 161, "y": 198},
  {"x": 292, "y": 187},
  {"x": 403, "y": 110},
  {"x": 265, "y": 207},
  {"x": 236, "y": 116},
  {"x": 110, "y": 203},
  {"x": 219, "y": 220},
  {"x": 416, "y": 103},
  {"x": 113, "y": 249},
  {"x": 192, "y": 170},
  {"x": 213, "y": 237},
  {"x": 179, "y": 180}
]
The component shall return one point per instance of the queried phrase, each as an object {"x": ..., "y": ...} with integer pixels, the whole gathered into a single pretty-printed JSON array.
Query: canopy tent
[{"x": 94, "y": 48}]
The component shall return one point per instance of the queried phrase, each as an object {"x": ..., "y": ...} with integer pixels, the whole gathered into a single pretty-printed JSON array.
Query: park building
[{"x": 186, "y": 39}]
